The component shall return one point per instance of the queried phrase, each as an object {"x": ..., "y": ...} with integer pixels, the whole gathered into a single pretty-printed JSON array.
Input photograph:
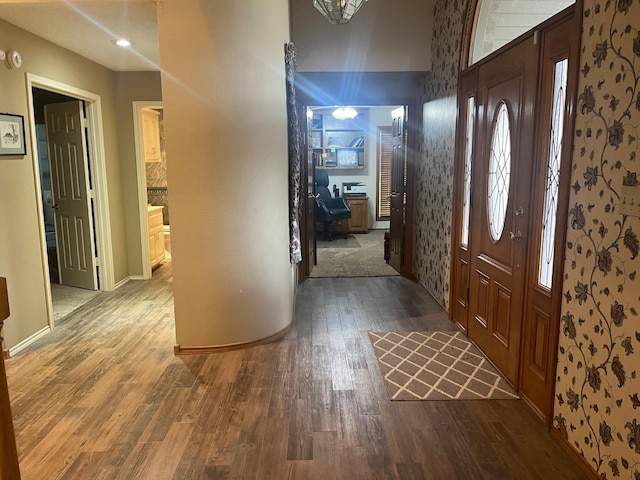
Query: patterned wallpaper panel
[
  {"x": 597, "y": 405},
  {"x": 435, "y": 170}
]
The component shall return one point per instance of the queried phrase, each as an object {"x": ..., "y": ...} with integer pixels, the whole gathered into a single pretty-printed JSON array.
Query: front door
[
  {"x": 514, "y": 148},
  {"x": 397, "y": 198},
  {"x": 501, "y": 188},
  {"x": 71, "y": 190}
]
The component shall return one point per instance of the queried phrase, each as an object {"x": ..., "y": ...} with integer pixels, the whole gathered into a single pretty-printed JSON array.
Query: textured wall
[
  {"x": 434, "y": 188},
  {"x": 597, "y": 387}
]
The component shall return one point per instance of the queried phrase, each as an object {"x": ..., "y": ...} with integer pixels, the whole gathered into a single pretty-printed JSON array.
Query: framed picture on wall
[{"x": 12, "y": 140}]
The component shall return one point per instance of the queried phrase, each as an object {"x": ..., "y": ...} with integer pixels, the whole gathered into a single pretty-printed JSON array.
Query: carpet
[
  {"x": 359, "y": 255},
  {"x": 67, "y": 299},
  {"x": 436, "y": 366},
  {"x": 350, "y": 242}
]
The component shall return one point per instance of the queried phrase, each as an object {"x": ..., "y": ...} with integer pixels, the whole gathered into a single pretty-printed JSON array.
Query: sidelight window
[
  {"x": 468, "y": 151},
  {"x": 545, "y": 275}
]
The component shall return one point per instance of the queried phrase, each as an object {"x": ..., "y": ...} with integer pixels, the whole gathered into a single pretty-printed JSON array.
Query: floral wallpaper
[
  {"x": 435, "y": 170},
  {"x": 597, "y": 406}
]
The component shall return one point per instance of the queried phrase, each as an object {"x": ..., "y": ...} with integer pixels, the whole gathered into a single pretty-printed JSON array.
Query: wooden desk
[
  {"x": 9, "y": 468},
  {"x": 359, "y": 221}
]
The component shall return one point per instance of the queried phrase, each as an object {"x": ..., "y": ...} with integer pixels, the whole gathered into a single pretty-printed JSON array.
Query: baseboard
[
  {"x": 28, "y": 341},
  {"x": 179, "y": 350},
  {"x": 579, "y": 459},
  {"x": 124, "y": 282},
  {"x": 136, "y": 277}
]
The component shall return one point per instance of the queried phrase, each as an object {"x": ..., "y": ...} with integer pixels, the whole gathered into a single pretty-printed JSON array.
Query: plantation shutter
[{"x": 385, "y": 145}]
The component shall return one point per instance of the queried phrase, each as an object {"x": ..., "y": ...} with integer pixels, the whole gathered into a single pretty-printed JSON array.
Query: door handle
[
  {"x": 520, "y": 212},
  {"x": 315, "y": 197},
  {"x": 55, "y": 207},
  {"x": 515, "y": 236}
]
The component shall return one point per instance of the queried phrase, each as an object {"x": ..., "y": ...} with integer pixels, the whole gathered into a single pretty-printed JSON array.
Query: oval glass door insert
[{"x": 499, "y": 172}]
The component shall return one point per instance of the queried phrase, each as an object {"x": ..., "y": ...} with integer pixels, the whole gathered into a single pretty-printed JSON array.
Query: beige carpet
[
  {"x": 436, "y": 366},
  {"x": 359, "y": 255},
  {"x": 67, "y": 299}
]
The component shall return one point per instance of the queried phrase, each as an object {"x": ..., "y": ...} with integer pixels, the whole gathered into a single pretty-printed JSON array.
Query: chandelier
[
  {"x": 338, "y": 11},
  {"x": 344, "y": 113}
]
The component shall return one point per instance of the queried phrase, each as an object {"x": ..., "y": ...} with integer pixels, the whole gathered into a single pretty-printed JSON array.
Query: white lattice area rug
[{"x": 436, "y": 366}]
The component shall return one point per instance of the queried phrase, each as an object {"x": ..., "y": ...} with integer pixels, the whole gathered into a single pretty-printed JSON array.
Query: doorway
[
  {"x": 69, "y": 290},
  {"x": 353, "y": 154},
  {"x": 100, "y": 245},
  {"x": 153, "y": 188},
  {"x": 513, "y": 153}
]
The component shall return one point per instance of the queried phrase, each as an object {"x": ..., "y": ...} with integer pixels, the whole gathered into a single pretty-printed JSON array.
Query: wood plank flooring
[{"x": 103, "y": 397}]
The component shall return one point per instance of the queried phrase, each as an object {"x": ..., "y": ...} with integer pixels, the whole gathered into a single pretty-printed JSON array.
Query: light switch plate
[{"x": 630, "y": 200}]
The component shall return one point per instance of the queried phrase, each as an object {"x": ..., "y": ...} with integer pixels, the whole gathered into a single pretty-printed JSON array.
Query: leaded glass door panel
[{"x": 501, "y": 190}]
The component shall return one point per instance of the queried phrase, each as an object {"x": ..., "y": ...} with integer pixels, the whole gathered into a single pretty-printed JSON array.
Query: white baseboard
[
  {"x": 28, "y": 341},
  {"x": 136, "y": 277},
  {"x": 122, "y": 282}
]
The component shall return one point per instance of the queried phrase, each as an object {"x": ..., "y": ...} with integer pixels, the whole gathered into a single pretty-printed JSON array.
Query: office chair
[{"x": 329, "y": 209}]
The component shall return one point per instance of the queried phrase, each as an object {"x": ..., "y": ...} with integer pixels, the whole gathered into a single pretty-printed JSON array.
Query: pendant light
[{"x": 338, "y": 11}]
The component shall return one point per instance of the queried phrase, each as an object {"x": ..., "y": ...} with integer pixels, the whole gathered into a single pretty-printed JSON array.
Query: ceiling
[{"x": 89, "y": 28}]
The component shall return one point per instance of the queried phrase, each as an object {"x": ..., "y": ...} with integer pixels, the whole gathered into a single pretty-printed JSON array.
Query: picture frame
[
  {"x": 347, "y": 158},
  {"x": 12, "y": 137}
]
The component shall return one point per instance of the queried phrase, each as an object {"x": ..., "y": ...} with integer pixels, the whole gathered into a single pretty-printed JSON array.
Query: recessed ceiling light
[{"x": 123, "y": 42}]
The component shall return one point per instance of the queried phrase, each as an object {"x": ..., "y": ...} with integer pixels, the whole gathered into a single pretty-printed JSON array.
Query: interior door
[
  {"x": 71, "y": 190},
  {"x": 501, "y": 188},
  {"x": 310, "y": 202},
  {"x": 398, "y": 197}
]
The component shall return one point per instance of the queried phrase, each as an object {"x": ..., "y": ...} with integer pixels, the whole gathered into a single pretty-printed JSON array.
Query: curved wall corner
[{"x": 223, "y": 91}]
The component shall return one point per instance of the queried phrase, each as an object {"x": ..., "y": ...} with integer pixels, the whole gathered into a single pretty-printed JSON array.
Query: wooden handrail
[{"x": 9, "y": 467}]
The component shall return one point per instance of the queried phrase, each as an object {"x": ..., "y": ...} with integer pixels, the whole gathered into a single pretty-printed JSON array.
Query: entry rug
[{"x": 436, "y": 366}]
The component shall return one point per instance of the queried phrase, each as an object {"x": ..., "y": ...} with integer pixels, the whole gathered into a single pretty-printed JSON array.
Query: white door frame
[
  {"x": 99, "y": 174},
  {"x": 142, "y": 182}
]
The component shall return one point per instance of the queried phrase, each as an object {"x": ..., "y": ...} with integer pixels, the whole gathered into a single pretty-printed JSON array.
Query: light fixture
[
  {"x": 344, "y": 113},
  {"x": 123, "y": 42},
  {"x": 338, "y": 11}
]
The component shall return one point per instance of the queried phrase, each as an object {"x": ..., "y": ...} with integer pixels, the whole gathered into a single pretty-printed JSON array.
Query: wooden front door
[
  {"x": 398, "y": 197},
  {"x": 501, "y": 188},
  {"x": 513, "y": 171}
]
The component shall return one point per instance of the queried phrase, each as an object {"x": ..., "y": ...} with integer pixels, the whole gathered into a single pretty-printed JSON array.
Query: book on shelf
[{"x": 357, "y": 142}]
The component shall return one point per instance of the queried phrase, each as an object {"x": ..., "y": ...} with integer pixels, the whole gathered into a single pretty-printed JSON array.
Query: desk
[{"x": 359, "y": 221}]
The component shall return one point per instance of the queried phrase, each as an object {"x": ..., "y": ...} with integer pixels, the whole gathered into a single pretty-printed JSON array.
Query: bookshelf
[{"x": 339, "y": 144}]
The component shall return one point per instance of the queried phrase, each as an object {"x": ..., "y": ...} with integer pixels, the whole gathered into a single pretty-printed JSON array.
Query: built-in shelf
[{"x": 338, "y": 144}]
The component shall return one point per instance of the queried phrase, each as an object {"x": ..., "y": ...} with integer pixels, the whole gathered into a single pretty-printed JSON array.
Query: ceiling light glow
[{"x": 123, "y": 42}]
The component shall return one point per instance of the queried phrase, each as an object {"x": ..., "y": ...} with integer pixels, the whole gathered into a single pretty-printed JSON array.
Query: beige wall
[
  {"x": 20, "y": 235},
  {"x": 226, "y": 143},
  {"x": 384, "y": 36},
  {"x": 132, "y": 86}
]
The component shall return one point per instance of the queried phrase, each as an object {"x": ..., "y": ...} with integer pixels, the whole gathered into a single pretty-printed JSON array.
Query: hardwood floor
[{"x": 103, "y": 397}]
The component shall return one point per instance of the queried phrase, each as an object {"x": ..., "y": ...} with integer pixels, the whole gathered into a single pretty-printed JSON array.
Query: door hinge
[
  {"x": 97, "y": 261},
  {"x": 467, "y": 295},
  {"x": 92, "y": 193}
]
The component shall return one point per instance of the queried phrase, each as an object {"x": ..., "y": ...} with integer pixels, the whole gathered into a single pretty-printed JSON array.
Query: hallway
[{"x": 103, "y": 396}]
